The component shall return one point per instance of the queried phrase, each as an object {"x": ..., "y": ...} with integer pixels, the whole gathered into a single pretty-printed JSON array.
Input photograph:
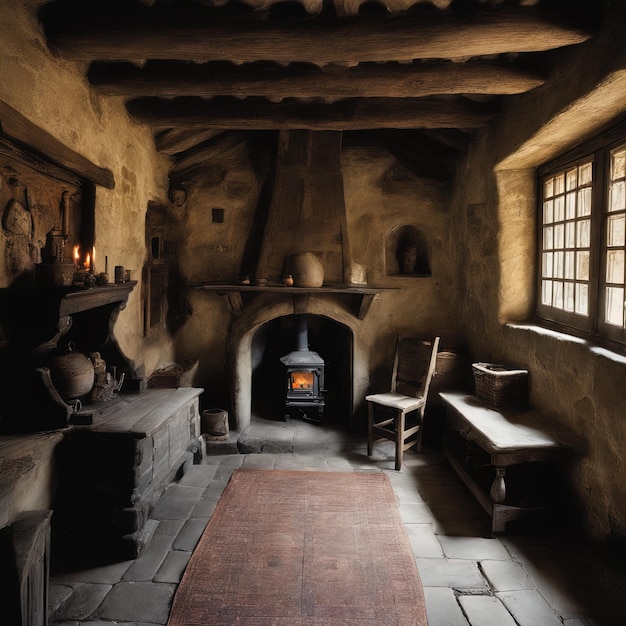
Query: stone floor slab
[
  {"x": 177, "y": 502},
  {"x": 424, "y": 541},
  {"x": 442, "y": 607},
  {"x": 453, "y": 573},
  {"x": 83, "y": 602},
  {"x": 198, "y": 476},
  {"x": 485, "y": 611},
  {"x": 477, "y": 548},
  {"x": 138, "y": 602},
  {"x": 173, "y": 567},
  {"x": 506, "y": 575},
  {"x": 190, "y": 534},
  {"x": 529, "y": 608}
]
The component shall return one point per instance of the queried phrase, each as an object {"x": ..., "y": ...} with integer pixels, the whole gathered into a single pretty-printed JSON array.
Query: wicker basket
[{"x": 500, "y": 385}]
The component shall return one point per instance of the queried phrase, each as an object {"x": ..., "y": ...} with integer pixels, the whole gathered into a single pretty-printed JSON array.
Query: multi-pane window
[
  {"x": 582, "y": 241},
  {"x": 614, "y": 240},
  {"x": 566, "y": 239}
]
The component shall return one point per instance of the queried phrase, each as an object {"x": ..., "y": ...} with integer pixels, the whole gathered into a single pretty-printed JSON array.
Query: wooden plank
[
  {"x": 276, "y": 82},
  {"x": 169, "y": 405},
  {"x": 145, "y": 35},
  {"x": 13, "y": 124},
  {"x": 350, "y": 114},
  {"x": 506, "y": 429},
  {"x": 135, "y": 411}
]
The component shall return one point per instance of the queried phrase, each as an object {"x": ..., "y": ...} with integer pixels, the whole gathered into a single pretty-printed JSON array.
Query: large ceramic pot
[
  {"x": 72, "y": 374},
  {"x": 307, "y": 270}
]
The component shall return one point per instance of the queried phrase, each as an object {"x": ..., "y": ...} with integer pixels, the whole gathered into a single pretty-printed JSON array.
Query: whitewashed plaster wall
[{"x": 572, "y": 382}]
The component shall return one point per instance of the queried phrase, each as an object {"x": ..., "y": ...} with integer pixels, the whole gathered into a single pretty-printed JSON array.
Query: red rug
[{"x": 296, "y": 548}]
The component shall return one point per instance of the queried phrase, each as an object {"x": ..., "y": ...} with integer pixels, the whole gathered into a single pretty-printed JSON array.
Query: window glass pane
[
  {"x": 568, "y": 297},
  {"x": 546, "y": 292},
  {"x": 559, "y": 208},
  {"x": 570, "y": 234},
  {"x": 570, "y": 179},
  {"x": 615, "y": 266},
  {"x": 582, "y": 265},
  {"x": 548, "y": 236},
  {"x": 569, "y": 264},
  {"x": 559, "y": 184},
  {"x": 548, "y": 188},
  {"x": 582, "y": 299},
  {"x": 617, "y": 197},
  {"x": 614, "y": 306},
  {"x": 559, "y": 258},
  {"x": 584, "y": 174},
  {"x": 548, "y": 212},
  {"x": 557, "y": 294},
  {"x": 546, "y": 271},
  {"x": 618, "y": 164},
  {"x": 570, "y": 206},
  {"x": 616, "y": 230},
  {"x": 559, "y": 236},
  {"x": 583, "y": 234},
  {"x": 584, "y": 201}
]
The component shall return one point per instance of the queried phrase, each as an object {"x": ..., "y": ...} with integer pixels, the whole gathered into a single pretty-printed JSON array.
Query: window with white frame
[{"x": 582, "y": 240}]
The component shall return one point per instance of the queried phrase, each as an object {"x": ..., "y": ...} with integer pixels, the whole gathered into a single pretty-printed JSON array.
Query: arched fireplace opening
[{"x": 283, "y": 336}]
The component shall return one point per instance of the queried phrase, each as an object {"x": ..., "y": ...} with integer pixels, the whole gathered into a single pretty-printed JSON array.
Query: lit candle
[
  {"x": 76, "y": 263},
  {"x": 87, "y": 263}
]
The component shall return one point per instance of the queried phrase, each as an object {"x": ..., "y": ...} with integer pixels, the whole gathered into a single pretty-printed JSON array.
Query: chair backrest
[{"x": 414, "y": 366}]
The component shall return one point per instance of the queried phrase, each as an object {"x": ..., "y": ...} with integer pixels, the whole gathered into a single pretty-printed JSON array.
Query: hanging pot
[
  {"x": 72, "y": 373},
  {"x": 307, "y": 270}
]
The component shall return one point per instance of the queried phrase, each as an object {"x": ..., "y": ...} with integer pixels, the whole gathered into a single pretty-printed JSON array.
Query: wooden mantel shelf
[{"x": 364, "y": 294}]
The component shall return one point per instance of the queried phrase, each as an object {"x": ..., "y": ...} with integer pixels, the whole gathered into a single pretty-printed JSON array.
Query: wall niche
[{"x": 406, "y": 252}]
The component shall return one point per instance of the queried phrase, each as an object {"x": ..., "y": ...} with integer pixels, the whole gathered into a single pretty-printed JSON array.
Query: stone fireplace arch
[{"x": 263, "y": 310}]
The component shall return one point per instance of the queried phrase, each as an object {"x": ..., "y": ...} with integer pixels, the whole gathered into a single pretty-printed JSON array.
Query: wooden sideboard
[{"x": 112, "y": 472}]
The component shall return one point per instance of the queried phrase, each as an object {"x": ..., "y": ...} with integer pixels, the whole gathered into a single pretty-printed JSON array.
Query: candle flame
[{"x": 87, "y": 263}]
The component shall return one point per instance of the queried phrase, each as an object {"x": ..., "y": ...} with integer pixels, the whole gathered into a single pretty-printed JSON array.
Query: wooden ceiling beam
[
  {"x": 354, "y": 114},
  {"x": 175, "y": 140},
  {"x": 275, "y": 82},
  {"x": 399, "y": 38}
]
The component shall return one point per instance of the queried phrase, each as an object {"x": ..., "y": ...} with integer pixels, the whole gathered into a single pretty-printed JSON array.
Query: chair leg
[
  {"x": 418, "y": 440},
  {"x": 400, "y": 418},
  {"x": 370, "y": 433}
]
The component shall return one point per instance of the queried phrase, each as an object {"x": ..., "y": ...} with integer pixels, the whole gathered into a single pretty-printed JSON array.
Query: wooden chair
[{"x": 398, "y": 414}]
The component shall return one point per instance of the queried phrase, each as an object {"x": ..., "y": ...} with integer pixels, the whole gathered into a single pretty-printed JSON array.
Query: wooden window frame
[{"x": 598, "y": 151}]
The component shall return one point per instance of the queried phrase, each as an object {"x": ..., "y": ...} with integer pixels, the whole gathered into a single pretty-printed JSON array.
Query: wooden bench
[{"x": 497, "y": 440}]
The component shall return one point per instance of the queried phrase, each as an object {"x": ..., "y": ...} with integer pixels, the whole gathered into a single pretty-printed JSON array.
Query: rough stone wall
[
  {"x": 381, "y": 196},
  {"x": 54, "y": 95},
  {"x": 572, "y": 382}
]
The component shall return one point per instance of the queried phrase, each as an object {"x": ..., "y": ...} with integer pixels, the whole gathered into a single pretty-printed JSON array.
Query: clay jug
[
  {"x": 72, "y": 373},
  {"x": 307, "y": 270}
]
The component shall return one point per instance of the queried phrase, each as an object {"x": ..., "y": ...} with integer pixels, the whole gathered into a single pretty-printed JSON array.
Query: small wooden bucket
[{"x": 214, "y": 423}]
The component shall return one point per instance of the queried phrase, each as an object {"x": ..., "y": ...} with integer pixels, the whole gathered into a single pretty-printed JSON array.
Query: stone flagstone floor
[{"x": 523, "y": 578}]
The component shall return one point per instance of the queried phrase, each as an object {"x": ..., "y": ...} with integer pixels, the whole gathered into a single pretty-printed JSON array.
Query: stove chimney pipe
[{"x": 302, "y": 334}]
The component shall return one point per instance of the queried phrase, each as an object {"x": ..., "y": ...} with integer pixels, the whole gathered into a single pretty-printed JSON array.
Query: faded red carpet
[{"x": 295, "y": 548}]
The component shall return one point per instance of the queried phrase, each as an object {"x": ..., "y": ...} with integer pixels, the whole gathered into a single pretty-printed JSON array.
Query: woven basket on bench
[{"x": 500, "y": 385}]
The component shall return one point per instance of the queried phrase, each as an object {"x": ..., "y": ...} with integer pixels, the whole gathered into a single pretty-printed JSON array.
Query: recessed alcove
[
  {"x": 274, "y": 339},
  {"x": 407, "y": 252}
]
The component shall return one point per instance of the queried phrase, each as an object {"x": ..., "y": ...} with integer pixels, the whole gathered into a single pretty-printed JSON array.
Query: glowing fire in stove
[{"x": 302, "y": 380}]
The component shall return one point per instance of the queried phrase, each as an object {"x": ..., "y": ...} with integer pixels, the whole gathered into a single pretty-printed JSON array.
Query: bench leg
[
  {"x": 498, "y": 487},
  {"x": 370, "y": 423}
]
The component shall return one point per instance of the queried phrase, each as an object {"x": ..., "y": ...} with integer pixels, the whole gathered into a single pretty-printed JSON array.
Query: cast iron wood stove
[{"x": 304, "y": 377}]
